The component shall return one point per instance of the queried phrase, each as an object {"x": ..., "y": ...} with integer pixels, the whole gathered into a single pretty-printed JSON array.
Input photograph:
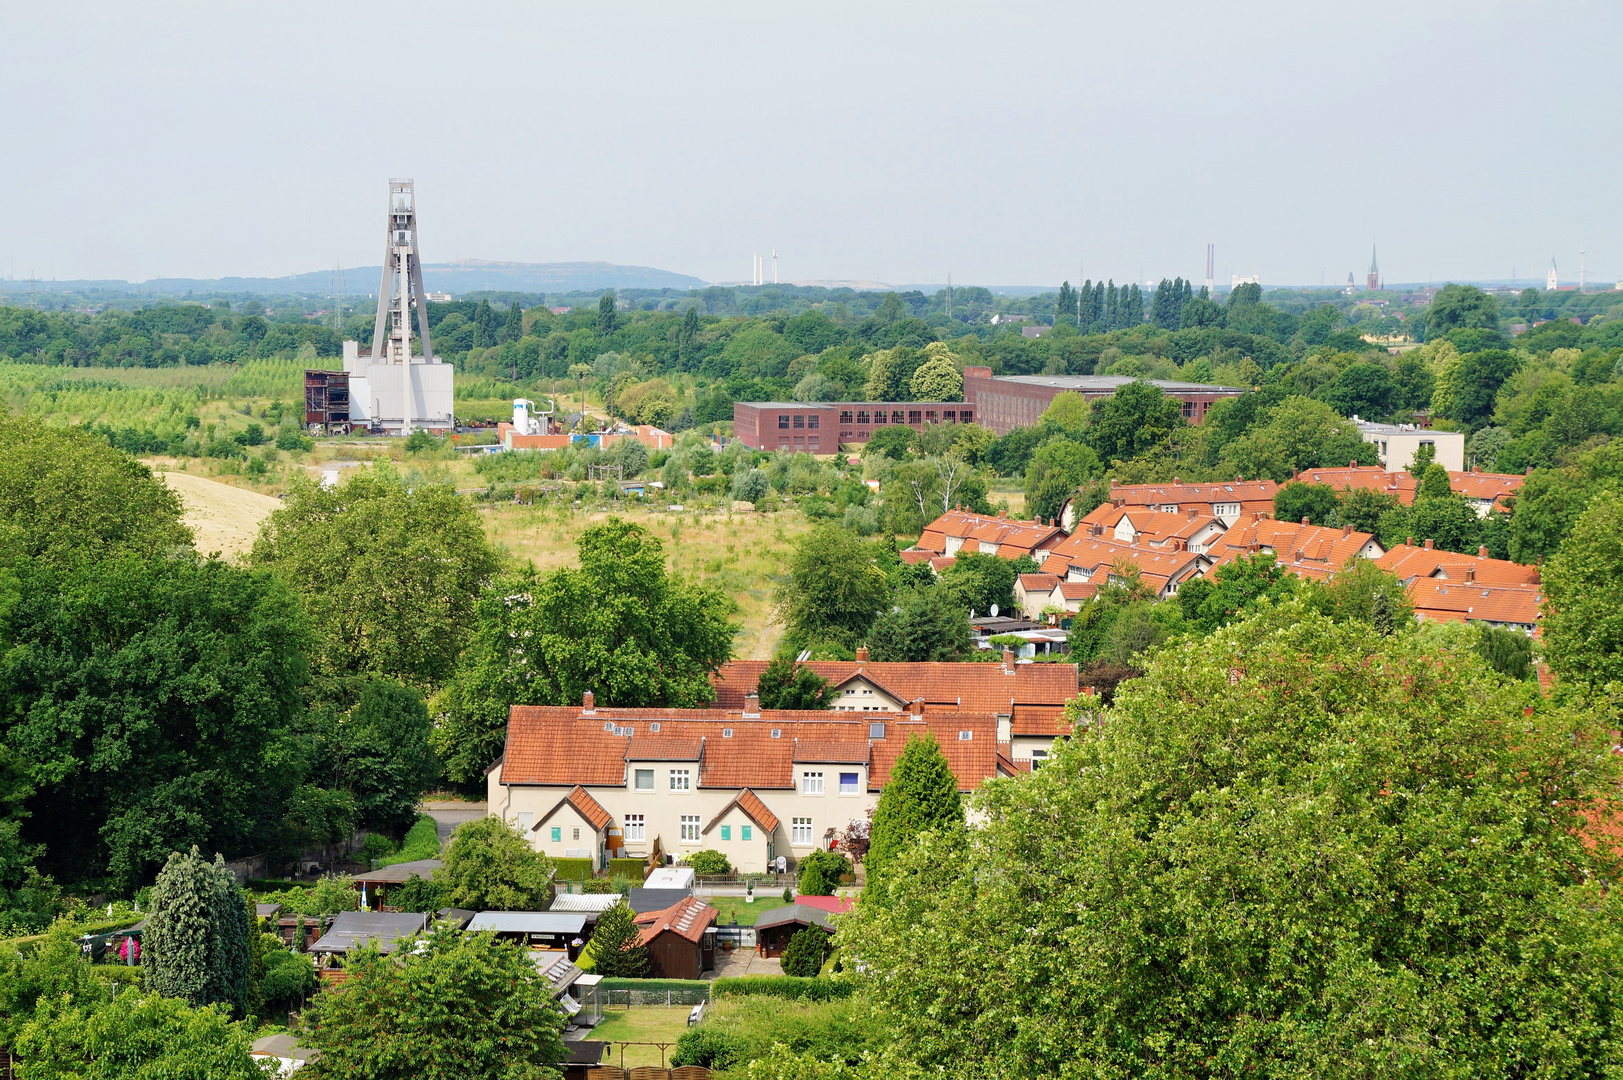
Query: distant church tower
[
  {"x": 1549, "y": 281},
  {"x": 1373, "y": 281}
]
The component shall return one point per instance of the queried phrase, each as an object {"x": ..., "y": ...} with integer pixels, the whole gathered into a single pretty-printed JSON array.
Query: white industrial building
[
  {"x": 1396, "y": 445},
  {"x": 377, "y": 391}
]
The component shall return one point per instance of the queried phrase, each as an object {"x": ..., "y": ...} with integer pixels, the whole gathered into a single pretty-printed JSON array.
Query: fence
[{"x": 685, "y": 997}]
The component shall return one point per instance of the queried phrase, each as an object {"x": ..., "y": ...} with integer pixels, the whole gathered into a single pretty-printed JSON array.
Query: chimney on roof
[
  {"x": 1001, "y": 514},
  {"x": 1175, "y": 480},
  {"x": 1304, "y": 519},
  {"x": 916, "y": 707},
  {"x": 1482, "y": 552},
  {"x": 587, "y": 704},
  {"x": 1008, "y": 660},
  {"x": 1192, "y": 513},
  {"x": 1408, "y": 541},
  {"x": 1118, "y": 502},
  {"x": 1470, "y": 574},
  {"x": 1346, "y": 531},
  {"x": 862, "y": 654},
  {"x": 1476, "y": 468},
  {"x": 1354, "y": 465},
  {"x": 1428, "y": 545},
  {"x": 1087, "y": 691},
  {"x": 1529, "y": 471},
  {"x": 752, "y": 704},
  {"x": 1050, "y": 523}
]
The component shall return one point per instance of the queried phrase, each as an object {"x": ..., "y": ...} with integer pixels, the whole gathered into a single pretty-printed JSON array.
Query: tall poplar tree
[{"x": 920, "y": 795}]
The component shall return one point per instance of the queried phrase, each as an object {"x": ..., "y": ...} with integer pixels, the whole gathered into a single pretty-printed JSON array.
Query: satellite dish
[{"x": 994, "y": 611}]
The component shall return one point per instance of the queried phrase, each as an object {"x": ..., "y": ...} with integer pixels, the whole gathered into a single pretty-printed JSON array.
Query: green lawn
[
  {"x": 733, "y": 907},
  {"x": 642, "y": 1023}
]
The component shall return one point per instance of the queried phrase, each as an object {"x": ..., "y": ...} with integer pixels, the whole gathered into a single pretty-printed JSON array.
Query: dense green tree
[
  {"x": 977, "y": 581},
  {"x": 1362, "y": 509},
  {"x": 490, "y": 866},
  {"x": 1296, "y": 434},
  {"x": 461, "y": 1007},
  {"x": 834, "y": 589},
  {"x": 607, "y": 315},
  {"x": 67, "y": 497},
  {"x": 149, "y": 705},
  {"x": 807, "y": 949},
  {"x": 131, "y": 1037},
  {"x": 1267, "y": 862},
  {"x": 785, "y": 684},
  {"x": 195, "y": 945},
  {"x": 1476, "y": 384},
  {"x": 1449, "y": 521},
  {"x": 53, "y": 969},
  {"x": 1365, "y": 390},
  {"x": 484, "y": 326},
  {"x": 377, "y": 752},
  {"x": 920, "y": 795},
  {"x": 1136, "y": 418},
  {"x": 925, "y": 624},
  {"x": 1362, "y": 591},
  {"x": 1551, "y": 500},
  {"x": 1583, "y": 587},
  {"x": 389, "y": 574},
  {"x": 1317, "y": 503},
  {"x": 1434, "y": 482},
  {"x": 618, "y": 625},
  {"x": 1057, "y": 468},
  {"x": 615, "y": 944},
  {"x": 1236, "y": 590},
  {"x": 891, "y": 442},
  {"x": 937, "y": 379},
  {"x": 1460, "y": 307},
  {"x": 513, "y": 324},
  {"x": 1509, "y": 652}
]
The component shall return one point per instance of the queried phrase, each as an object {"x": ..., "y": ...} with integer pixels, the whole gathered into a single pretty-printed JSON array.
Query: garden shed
[{"x": 774, "y": 928}]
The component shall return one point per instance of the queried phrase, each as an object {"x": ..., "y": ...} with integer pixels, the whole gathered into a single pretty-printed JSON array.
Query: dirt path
[{"x": 224, "y": 518}]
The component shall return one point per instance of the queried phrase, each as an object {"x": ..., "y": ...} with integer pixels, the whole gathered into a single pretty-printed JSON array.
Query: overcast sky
[{"x": 1007, "y": 143}]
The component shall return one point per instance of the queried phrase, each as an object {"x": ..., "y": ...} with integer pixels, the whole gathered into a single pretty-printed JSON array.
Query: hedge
[
  {"x": 572, "y": 869},
  {"x": 631, "y": 868},
  {"x": 783, "y": 986},
  {"x": 660, "y": 984},
  {"x": 422, "y": 842}
]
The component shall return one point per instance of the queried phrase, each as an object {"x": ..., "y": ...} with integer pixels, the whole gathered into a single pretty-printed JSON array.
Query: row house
[
  {"x": 1101, "y": 561},
  {"x": 1447, "y": 586},
  {"x": 1310, "y": 551},
  {"x": 959, "y": 530},
  {"x": 587, "y": 782},
  {"x": 1191, "y": 530},
  {"x": 1226, "y": 501},
  {"x": 1484, "y": 491},
  {"x": 1040, "y": 592}
]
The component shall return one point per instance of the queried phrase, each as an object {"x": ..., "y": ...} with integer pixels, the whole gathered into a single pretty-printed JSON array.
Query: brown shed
[
  {"x": 681, "y": 942},
  {"x": 774, "y": 928}
]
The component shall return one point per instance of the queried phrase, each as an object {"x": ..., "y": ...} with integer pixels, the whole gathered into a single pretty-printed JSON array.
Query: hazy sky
[{"x": 1007, "y": 143}]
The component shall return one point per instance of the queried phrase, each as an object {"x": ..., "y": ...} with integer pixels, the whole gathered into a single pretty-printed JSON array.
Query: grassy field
[
  {"x": 223, "y": 518},
  {"x": 733, "y": 909},
  {"x": 642, "y": 1023}
]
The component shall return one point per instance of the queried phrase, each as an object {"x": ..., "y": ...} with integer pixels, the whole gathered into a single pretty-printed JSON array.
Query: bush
[
  {"x": 784, "y": 986},
  {"x": 821, "y": 871},
  {"x": 416, "y": 894},
  {"x": 706, "y": 1046},
  {"x": 750, "y": 486},
  {"x": 611, "y": 982},
  {"x": 709, "y": 863},
  {"x": 599, "y": 886},
  {"x": 288, "y": 978},
  {"x": 422, "y": 842},
  {"x": 805, "y": 953}
]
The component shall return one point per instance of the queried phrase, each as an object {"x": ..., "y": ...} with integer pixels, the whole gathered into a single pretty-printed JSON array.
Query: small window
[
  {"x": 576, "y": 834},
  {"x": 878, "y": 416},
  {"x": 800, "y": 831},
  {"x": 726, "y": 733},
  {"x": 811, "y": 783},
  {"x": 813, "y": 421},
  {"x": 680, "y": 779},
  {"x": 845, "y": 418},
  {"x": 898, "y": 417},
  {"x": 914, "y": 416},
  {"x": 726, "y": 832},
  {"x": 800, "y": 421},
  {"x": 690, "y": 828},
  {"x": 1038, "y": 757},
  {"x": 610, "y": 725},
  {"x": 965, "y": 416},
  {"x": 777, "y": 733},
  {"x": 783, "y": 421},
  {"x": 862, "y": 417},
  {"x": 744, "y": 833},
  {"x": 557, "y": 834},
  {"x": 636, "y": 828},
  {"x": 949, "y": 416},
  {"x": 965, "y": 736},
  {"x": 645, "y": 780},
  {"x": 848, "y": 783},
  {"x": 876, "y": 730},
  {"x": 929, "y": 416},
  {"x": 654, "y": 726}
]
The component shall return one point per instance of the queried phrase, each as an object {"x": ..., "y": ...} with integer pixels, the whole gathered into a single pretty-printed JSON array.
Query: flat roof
[
  {"x": 1111, "y": 382},
  {"x": 529, "y": 922},
  {"x": 844, "y": 404},
  {"x": 398, "y": 873}
]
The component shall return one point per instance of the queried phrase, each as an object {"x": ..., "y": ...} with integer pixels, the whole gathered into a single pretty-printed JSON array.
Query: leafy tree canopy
[
  {"x": 1136, "y": 418},
  {"x": 785, "y": 684},
  {"x": 924, "y": 624},
  {"x": 1583, "y": 585},
  {"x": 490, "y": 866},
  {"x": 1317, "y": 503},
  {"x": 834, "y": 589},
  {"x": 1346, "y": 839},
  {"x": 976, "y": 581}
]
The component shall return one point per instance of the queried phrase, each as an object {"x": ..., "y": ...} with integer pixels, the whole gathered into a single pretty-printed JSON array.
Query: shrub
[
  {"x": 788, "y": 895},
  {"x": 422, "y": 842},
  {"x": 706, "y": 1046},
  {"x": 416, "y": 894},
  {"x": 630, "y": 868},
  {"x": 288, "y": 978},
  {"x": 709, "y": 863},
  {"x": 821, "y": 871},
  {"x": 572, "y": 869},
  {"x": 813, "y": 882},
  {"x": 611, "y": 982},
  {"x": 750, "y": 486},
  {"x": 805, "y": 953},
  {"x": 600, "y": 886},
  {"x": 784, "y": 986}
]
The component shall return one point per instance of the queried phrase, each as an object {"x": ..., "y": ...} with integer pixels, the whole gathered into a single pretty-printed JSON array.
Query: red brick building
[
  {"x": 1005, "y": 402},
  {"x": 819, "y": 427}
]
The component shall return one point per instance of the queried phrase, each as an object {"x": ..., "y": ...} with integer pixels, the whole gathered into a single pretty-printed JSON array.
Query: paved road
[{"x": 448, "y": 815}]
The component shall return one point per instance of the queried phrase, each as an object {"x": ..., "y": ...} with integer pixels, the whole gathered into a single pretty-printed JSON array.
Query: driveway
[
  {"x": 744, "y": 962},
  {"x": 448, "y": 815}
]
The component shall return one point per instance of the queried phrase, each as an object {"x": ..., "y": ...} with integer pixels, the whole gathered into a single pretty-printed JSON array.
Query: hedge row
[
  {"x": 658, "y": 984},
  {"x": 784, "y": 986},
  {"x": 631, "y": 868},
  {"x": 572, "y": 869}
]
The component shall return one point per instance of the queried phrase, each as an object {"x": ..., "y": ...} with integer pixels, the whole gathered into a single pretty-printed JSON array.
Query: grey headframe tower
[{"x": 400, "y": 293}]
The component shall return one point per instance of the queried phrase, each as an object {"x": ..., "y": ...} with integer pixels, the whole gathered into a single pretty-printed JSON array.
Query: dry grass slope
[{"x": 223, "y": 518}]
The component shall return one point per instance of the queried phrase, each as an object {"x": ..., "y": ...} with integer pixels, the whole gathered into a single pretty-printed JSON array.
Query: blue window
[
  {"x": 726, "y": 832},
  {"x": 557, "y": 834},
  {"x": 746, "y": 832},
  {"x": 848, "y": 783}
]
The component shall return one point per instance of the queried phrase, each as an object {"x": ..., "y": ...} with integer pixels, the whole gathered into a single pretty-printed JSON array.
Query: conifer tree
[
  {"x": 195, "y": 945},
  {"x": 615, "y": 944},
  {"x": 920, "y": 795},
  {"x": 1066, "y": 303},
  {"x": 606, "y": 313},
  {"x": 1112, "y": 307},
  {"x": 484, "y": 325},
  {"x": 805, "y": 953},
  {"x": 513, "y": 329}
]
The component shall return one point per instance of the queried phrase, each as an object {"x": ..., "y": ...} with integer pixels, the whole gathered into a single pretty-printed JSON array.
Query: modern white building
[
  {"x": 377, "y": 392},
  {"x": 1397, "y": 444}
]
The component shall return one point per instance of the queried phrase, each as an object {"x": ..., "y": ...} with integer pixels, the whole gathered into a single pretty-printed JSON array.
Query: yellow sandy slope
[{"x": 223, "y": 518}]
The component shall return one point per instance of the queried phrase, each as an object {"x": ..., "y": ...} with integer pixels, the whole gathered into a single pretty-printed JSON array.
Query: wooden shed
[
  {"x": 681, "y": 939},
  {"x": 774, "y": 928}
]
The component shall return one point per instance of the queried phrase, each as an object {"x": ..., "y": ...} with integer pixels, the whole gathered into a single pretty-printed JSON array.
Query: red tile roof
[
  {"x": 1486, "y": 487},
  {"x": 972, "y": 760},
  {"x": 1091, "y": 554},
  {"x": 1400, "y": 485},
  {"x": 846, "y": 753},
  {"x": 664, "y": 748},
  {"x": 974, "y": 687},
  {"x": 686, "y": 918},
  {"x": 1039, "y": 720},
  {"x": 1012, "y": 537},
  {"x": 1223, "y": 491},
  {"x": 583, "y": 803},
  {"x": 1449, "y": 601},
  {"x": 1305, "y": 550},
  {"x": 1420, "y": 561},
  {"x": 752, "y": 807}
]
